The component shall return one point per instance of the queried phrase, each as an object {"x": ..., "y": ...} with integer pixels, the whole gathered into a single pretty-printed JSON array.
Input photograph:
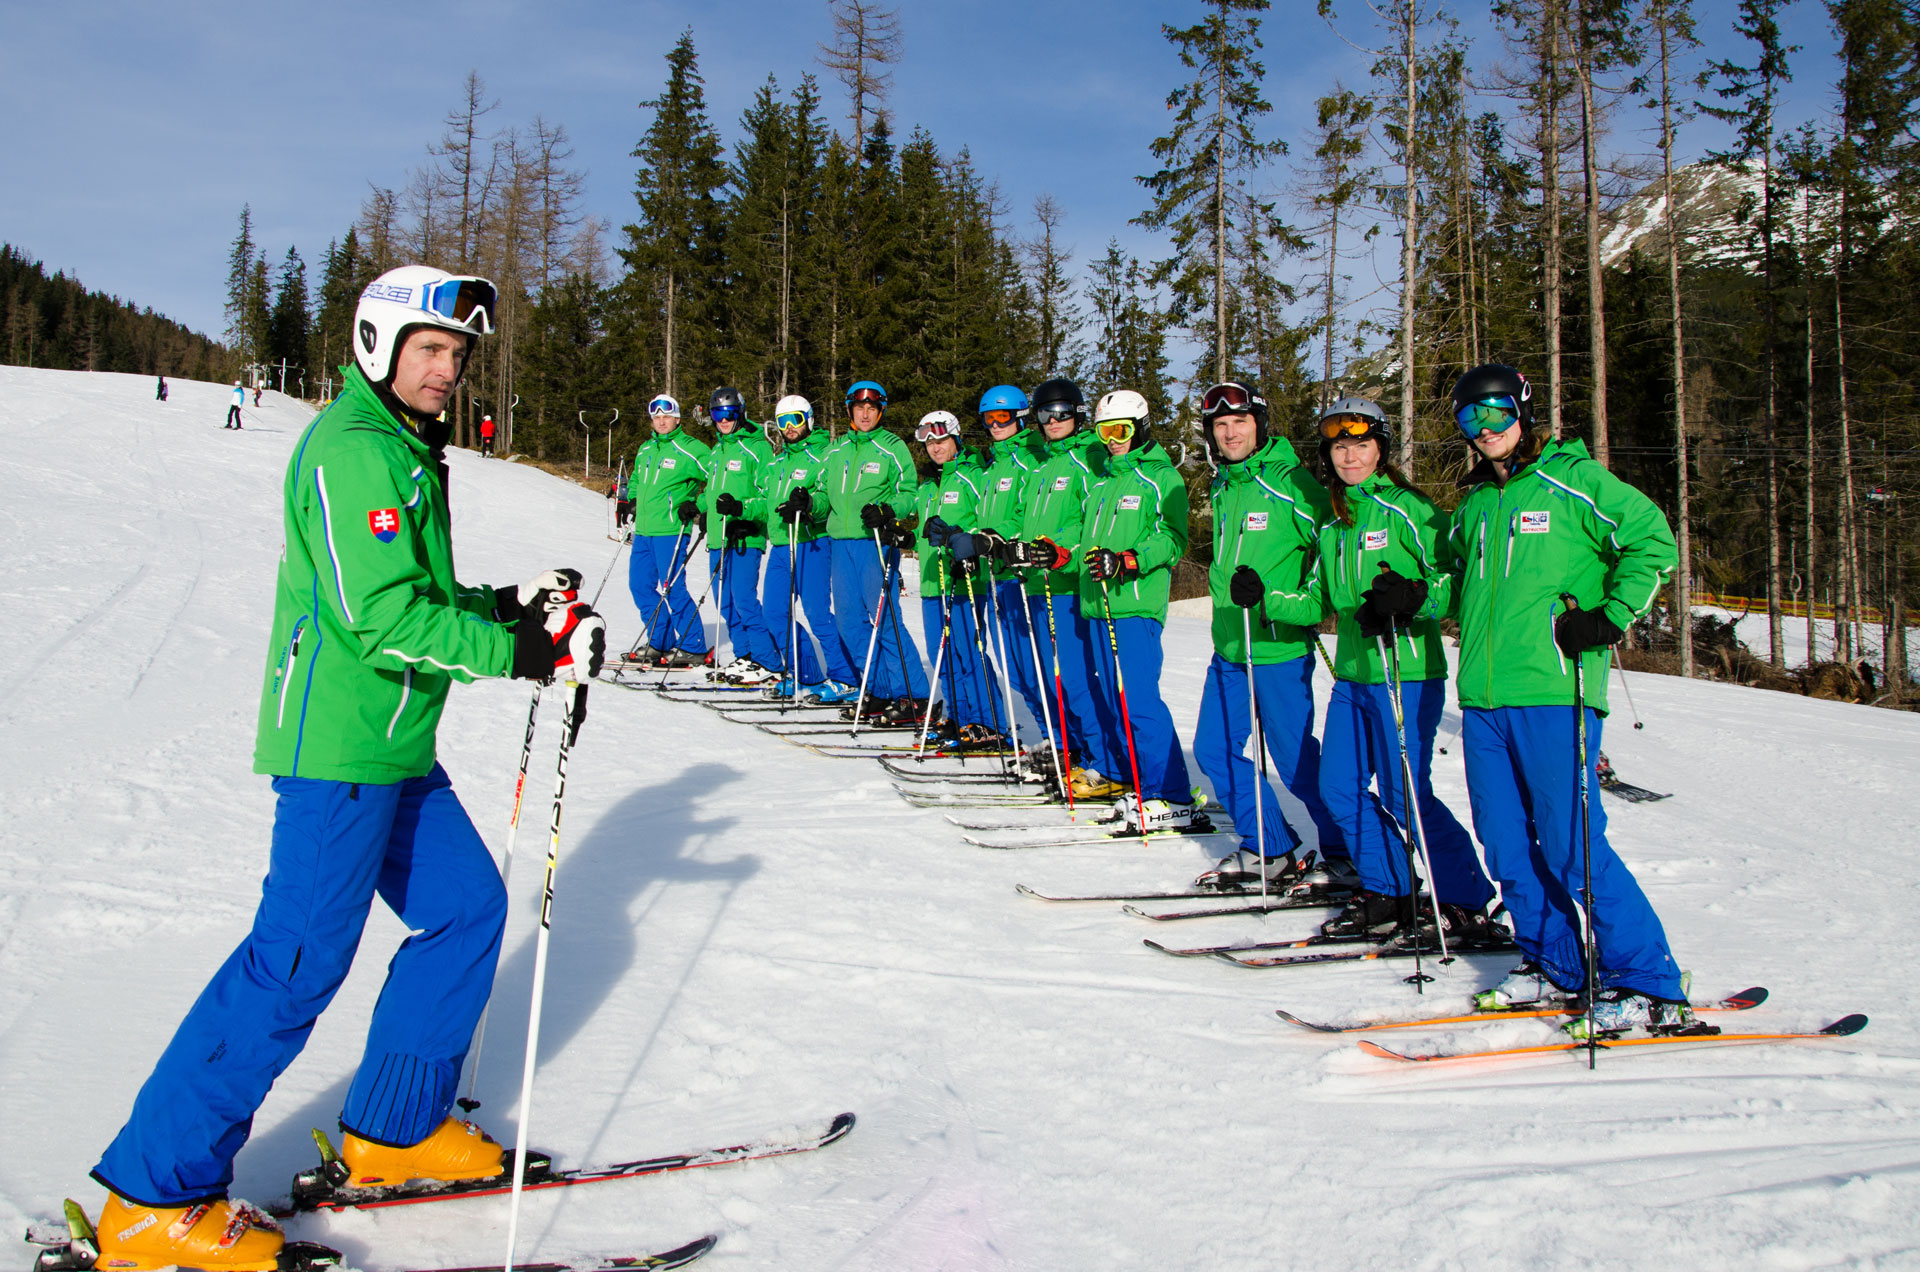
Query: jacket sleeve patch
[{"x": 385, "y": 523}]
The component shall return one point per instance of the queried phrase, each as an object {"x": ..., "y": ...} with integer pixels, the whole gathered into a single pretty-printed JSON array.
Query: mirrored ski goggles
[
  {"x": 869, "y": 396},
  {"x": 1488, "y": 415},
  {"x": 664, "y": 406},
  {"x": 470, "y": 302},
  {"x": 1120, "y": 430},
  {"x": 1054, "y": 412},
  {"x": 1230, "y": 398},
  {"x": 725, "y": 413},
  {"x": 997, "y": 419},
  {"x": 791, "y": 420},
  {"x": 936, "y": 430},
  {"x": 1346, "y": 426}
]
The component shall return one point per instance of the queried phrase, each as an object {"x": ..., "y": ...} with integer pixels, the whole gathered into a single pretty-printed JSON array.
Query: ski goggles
[
  {"x": 871, "y": 397},
  {"x": 664, "y": 405},
  {"x": 469, "y": 302},
  {"x": 1228, "y": 399},
  {"x": 1346, "y": 426},
  {"x": 1054, "y": 412},
  {"x": 1488, "y": 415},
  {"x": 725, "y": 413},
  {"x": 792, "y": 420},
  {"x": 1120, "y": 430},
  {"x": 936, "y": 430},
  {"x": 998, "y": 419}
]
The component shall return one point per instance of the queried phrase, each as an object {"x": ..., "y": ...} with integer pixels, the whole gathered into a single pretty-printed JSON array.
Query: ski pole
[
  {"x": 1003, "y": 646},
  {"x": 576, "y": 713},
  {"x": 1059, "y": 694},
  {"x": 946, "y": 630},
  {"x": 676, "y": 566},
  {"x": 1126, "y": 719},
  {"x": 1613, "y": 658},
  {"x": 1259, "y": 740},
  {"x": 595, "y": 603},
  {"x": 1415, "y": 829},
  {"x": 1586, "y": 829},
  {"x": 873, "y": 638},
  {"x": 1033, "y": 646},
  {"x": 793, "y": 609},
  {"x": 469, "y": 1104},
  {"x": 983, "y": 641},
  {"x": 698, "y": 603},
  {"x": 900, "y": 641}
]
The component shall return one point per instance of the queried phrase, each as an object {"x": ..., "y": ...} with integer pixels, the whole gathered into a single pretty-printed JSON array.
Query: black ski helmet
[
  {"x": 1495, "y": 379},
  {"x": 1061, "y": 393},
  {"x": 727, "y": 397},
  {"x": 1232, "y": 397}
]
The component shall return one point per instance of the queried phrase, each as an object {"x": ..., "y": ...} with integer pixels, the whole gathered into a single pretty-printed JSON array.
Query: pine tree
[
  {"x": 1338, "y": 179},
  {"x": 289, "y": 326},
  {"x": 240, "y": 262},
  {"x": 1052, "y": 288},
  {"x": 259, "y": 312}
]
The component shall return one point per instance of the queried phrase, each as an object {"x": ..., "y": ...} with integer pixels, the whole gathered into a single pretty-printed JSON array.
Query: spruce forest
[{"x": 1735, "y": 334}]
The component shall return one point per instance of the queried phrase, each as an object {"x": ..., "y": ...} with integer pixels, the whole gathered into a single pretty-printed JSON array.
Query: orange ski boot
[
  {"x": 219, "y": 1236},
  {"x": 458, "y": 1150}
]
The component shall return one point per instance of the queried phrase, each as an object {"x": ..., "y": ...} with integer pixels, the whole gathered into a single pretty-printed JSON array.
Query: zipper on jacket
[
  {"x": 1512, "y": 522},
  {"x": 284, "y": 682},
  {"x": 406, "y": 692}
]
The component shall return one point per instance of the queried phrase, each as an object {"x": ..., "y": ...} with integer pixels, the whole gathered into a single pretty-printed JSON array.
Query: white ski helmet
[
  {"x": 416, "y": 296},
  {"x": 937, "y": 424},
  {"x": 792, "y": 404},
  {"x": 1123, "y": 404}
]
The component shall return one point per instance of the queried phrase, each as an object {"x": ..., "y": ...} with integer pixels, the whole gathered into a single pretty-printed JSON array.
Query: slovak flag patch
[{"x": 385, "y": 523}]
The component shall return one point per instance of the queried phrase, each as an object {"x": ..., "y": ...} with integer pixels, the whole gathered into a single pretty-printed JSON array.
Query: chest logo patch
[
  {"x": 1256, "y": 521},
  {"x": 1374, "y": 541},
  {"x": 385, "y": 523},
  {"x": 799, "y": 474},
  {"x": 871, "y": 466},
  {"x": 949, "y": 496},
  {"x": 1129, "y": 502},
  {"x": 1062, "y": 482},
  {"x": 733, "y": 465},
  {"x": 1535, "y": 522},
  {"x": 1006, "y": 483},
  {"x": 668, "y": 462}
]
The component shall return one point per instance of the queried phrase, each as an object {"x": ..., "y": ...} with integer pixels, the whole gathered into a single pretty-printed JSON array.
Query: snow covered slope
[{"x": 747, "y": 934}]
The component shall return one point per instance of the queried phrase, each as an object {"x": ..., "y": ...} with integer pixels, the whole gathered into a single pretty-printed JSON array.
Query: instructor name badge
[
  {"x": 871, "y": 466},
  {"x": 1256, "y": 521},
  {"x": 1534, "y": 522},
  {"x": 733, "y": 465},
  {"x": 1006, "y": 483},
  {"x": 799, "y": 474},
  {"x": 1062, "y": 481},
  {"x": 1374, "y": 541},
  {"x": 1129, "y": 502},
  {"x": 667, "y": 462},
  {"x": 949, "y": 496}
]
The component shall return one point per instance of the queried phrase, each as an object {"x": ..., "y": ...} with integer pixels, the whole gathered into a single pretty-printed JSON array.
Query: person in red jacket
[{"x": 486, "y": 436}]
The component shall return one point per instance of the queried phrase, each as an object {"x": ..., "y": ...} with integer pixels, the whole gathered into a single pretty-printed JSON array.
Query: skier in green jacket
[
  {"x": 1553, "y": 558},
  {"x": 737, "y": 517},
  {"x": 1266, "y": 512},
  {"x": 669, "y": 472},
  {"x": 949, "y": 584},
  {"x": 1384, "y": 578},
  {"x": 1135, "y": 529},
  {"x": 369, "y": 630},
  {"x": 800, "y": 561}
]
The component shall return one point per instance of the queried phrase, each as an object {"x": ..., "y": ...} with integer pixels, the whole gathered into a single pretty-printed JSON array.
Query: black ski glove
[
  {"x": 687, "y": 511},
  {"x": 1391, "y": 602},
  {"x": 990, "y": 543},
  {"x": 796, "y": 504},
  {"x": 728, "y": 506},
  {"x": 900, "y": 535},
  {"x": 875, "y": 516},
  {"x": 1245, "y": 588},
  {"x": 1104, "y": 564},
  {"x": 739, "y": 531},
  {"x": 964, "y": 546},
  {"x": 1047, "y": 555},
  {"x": 532, "y": 649},
  {"x": 537, "y": 593},
  {"x": 937, "y": 532},
  {"x": 1578, "y": 630}
]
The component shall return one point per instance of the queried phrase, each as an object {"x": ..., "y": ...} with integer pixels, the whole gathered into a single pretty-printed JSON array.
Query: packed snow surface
[{"x": 748, "y": 935}]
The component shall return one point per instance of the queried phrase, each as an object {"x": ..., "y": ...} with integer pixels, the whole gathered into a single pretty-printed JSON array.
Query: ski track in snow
[{"x": 747, "y": 935}]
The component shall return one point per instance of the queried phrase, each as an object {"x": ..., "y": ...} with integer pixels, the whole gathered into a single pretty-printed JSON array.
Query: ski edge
[
  {"x": 1845, "y": 1027},
  {"x": 1745, "y": 1000}
]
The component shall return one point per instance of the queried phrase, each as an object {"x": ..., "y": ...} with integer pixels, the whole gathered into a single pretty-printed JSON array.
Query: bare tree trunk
[
  {"x": 671, "y": 298},
  {"x": 1220, "y": 208},
  {"x": 1776, "y": 635},
  {"x": 1849, "y": 564},
  {"x": 1409, "y": 236},
  {"x": 1333, "y": 256},
  {"x": 1596, "y": 278},
  {"x": 1550, "y": 204},
  {"x": 1683, "y": 528},
  {"x": 1813, "y": 537},
  {"x": 786, "y": 295}
]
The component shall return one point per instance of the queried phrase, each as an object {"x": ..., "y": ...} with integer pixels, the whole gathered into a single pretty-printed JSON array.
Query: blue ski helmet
[
  {"x": 1004, "y": 397},
  {"x": 867, "y": 391}
]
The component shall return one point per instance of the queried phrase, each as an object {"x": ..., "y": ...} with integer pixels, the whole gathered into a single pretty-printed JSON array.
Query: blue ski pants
[
  {"x": 857, "y": 574},
  {"x": 1010, "y": 618},
  {"x": 1521, "y": 777},
  {"x": 1088, "y": 721},
  {"x": 739, "y": 592},
  {"x": 960, "y": 666},
  {"x": 1361, "y": 782},
  {"x": 336, "y": 845},
  {"x": 1284, "y": 692},
  {"x": 674, "y": 624},
  {"x": 813, "y": 585},
  {"x": 1163, "y": 768}
]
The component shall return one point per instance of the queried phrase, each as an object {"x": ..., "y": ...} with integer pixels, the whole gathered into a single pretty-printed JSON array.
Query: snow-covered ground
[{"x": 747, "y": 934}]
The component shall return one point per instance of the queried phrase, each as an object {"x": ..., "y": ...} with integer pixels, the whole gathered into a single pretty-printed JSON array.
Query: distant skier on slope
[
  {"x": 1539, "y": 521},
  {"x": 486, "y": 436},
  {"x": 233, "y": 408},
  {"x": 160, "y": 391},
  {"x": 370, "y": 630}
]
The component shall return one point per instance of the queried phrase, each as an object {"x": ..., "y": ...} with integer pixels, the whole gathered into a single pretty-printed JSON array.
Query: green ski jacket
[
  {"x": 1141, "y": 505},
  {"x": 867, "y": 468},
  {"x": 1266, "y": 509},
  {"x": 1401, "y": 529},
  {"x": 1560, "y": 524},
  {"x": 369, "y": 626},
  {"x": 1007, "y": 483},
  {"x": 1057, "y": 506},
  {"x": 800, "y": 465},
  {"x": 668, "y": 470},
  {"x": 955, "y": 499},
  {"x": 738, "y": 459}
]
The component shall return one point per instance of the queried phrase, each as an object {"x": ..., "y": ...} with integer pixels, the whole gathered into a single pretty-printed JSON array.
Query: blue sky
[{"x": 137, "y": 130}]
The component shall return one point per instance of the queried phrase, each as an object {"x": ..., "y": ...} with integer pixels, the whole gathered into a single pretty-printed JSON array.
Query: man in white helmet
[{"x": 370, "y": 630}]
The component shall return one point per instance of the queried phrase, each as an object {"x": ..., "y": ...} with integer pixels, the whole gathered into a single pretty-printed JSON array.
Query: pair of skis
[{"x": 76, "y": 1247}]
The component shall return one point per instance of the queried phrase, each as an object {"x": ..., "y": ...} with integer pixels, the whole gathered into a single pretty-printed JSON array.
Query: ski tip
[
  {"x": 1846, "y": 1026},
  {"x": 1135, "y": 911},
  {"x": 841, "y": 1124},
  {"x": 677, "y": 1257},
  {"x": 1025, "y": 891},
  {"x": 1292, "y": 1019},
  {"x": 1373, "y": 1048},
  {"x": 1746, "y": 998}
]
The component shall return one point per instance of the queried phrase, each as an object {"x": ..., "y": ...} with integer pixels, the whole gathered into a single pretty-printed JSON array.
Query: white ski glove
[
  {"x": 557, "y": 586},
  {"x": 579, "y": 642}
]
